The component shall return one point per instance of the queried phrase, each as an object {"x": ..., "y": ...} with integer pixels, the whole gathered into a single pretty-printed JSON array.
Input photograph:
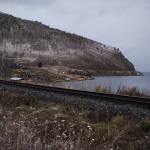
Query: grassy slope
[{"x": 26, "y": 123}]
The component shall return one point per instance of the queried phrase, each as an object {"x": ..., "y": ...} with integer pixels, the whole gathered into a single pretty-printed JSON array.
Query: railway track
[{"x": 136, "y": 101}]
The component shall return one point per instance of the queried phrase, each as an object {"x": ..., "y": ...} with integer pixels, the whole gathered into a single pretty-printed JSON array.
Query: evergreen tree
[{"x": 40, "y": 64}]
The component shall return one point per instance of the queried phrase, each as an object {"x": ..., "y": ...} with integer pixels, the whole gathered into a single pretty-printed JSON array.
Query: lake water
[{"x": 142, "y": 82}]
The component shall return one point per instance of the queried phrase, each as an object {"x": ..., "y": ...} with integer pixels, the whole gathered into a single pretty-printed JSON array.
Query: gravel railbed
[{"x": 83, "y": 103}]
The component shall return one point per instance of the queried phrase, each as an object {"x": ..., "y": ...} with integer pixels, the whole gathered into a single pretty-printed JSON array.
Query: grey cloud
[{"x": 27, "y": 1}]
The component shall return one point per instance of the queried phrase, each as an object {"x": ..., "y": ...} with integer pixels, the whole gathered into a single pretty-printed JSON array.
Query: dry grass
[
  {"x": 26, "y": 123},
  {"x": 123, "y": 90},
  {"x": 133, "y": 91},
  {"x": 102, "y": 89}
]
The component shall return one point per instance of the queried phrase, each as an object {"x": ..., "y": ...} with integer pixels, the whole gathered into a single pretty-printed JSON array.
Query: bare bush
[
  {"x": 123, "y": 90},
  {"x": 102, "y": 89},
  {"x": 132, "y": 91}
]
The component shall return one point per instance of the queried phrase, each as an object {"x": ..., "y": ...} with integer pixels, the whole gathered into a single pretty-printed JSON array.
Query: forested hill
[{"x": 31, "y": 41}]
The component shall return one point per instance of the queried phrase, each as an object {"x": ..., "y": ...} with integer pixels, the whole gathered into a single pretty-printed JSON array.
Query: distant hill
[{"x": 31, "y": 41}]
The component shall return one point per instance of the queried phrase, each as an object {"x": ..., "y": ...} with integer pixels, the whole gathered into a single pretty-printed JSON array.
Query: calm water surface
[{"x": 142, "y": 82}]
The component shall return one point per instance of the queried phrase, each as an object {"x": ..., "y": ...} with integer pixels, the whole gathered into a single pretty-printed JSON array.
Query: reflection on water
[{"x": 142, "y": 82}]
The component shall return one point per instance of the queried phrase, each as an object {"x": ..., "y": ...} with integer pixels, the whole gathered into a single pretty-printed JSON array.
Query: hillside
[{"x": 31, "y": 41}]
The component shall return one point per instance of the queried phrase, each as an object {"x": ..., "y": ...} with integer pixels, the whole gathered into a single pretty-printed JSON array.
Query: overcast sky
[{"x": 121, "y": 23}]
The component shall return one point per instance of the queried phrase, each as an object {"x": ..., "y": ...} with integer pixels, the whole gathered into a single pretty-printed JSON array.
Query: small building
[
  {"x": 67, "y": 79},
  {"x": 27, "y": 73},
  {"x": 18, "y": 66},
  {"x": 16, "y": 79}
]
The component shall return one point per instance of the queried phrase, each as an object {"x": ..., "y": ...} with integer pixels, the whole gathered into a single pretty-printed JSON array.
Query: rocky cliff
[{"x": 31, "y": 41}]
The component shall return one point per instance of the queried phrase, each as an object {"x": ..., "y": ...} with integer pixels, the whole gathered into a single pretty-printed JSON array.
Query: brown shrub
[{"x": 133, "y": 91}]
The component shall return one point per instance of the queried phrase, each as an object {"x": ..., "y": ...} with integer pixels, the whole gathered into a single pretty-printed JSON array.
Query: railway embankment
[{"x": 83, "y": 100}]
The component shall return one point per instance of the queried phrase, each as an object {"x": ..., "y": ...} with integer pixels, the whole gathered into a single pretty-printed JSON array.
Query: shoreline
[
  {"x": 95, "y": 73},
  {"x": 55, "y": 74}
]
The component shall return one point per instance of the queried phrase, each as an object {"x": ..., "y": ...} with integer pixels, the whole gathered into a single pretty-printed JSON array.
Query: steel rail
[{"x": 136, "y": 101}]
